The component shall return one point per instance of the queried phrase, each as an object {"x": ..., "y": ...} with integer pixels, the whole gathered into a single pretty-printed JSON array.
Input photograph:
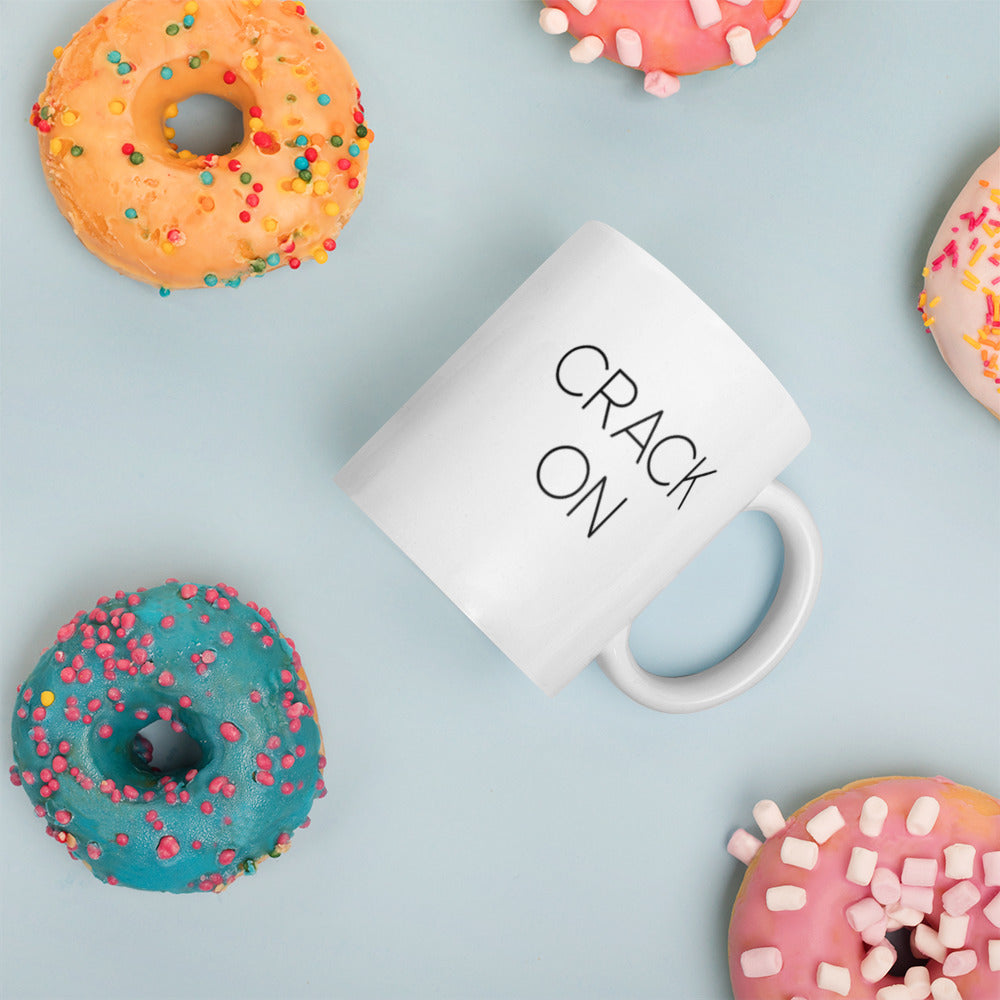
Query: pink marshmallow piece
[
  {"x": 959, "y": 963},
  {"x": 875, "y": 934},
  {"x": 991, "y": 867},
  {"x": 743, "y": 846},
  {"x": 629, "y": 47},
  {"x": 863, "y": 914},
  {"x": 917, "y": 897},
  {"x": 660, "y": 84},
  {"x": 885, "y": 886},
  {"x": 960, "y": 898},
  {"x": 992, "y": 910},
  {"x": 919, "y": 871},
  {"x": 760, "y": 962}
]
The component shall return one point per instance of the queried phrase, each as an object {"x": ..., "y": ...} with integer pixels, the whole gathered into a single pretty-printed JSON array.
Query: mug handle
[{"x": 743, "y": 668}]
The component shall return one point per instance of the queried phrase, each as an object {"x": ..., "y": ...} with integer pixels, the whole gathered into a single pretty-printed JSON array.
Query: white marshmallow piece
[
  {"x": 863, "y": 914},
  {"x": 944, "y": 989},
  {"x": 922, "y": 816},
  {"x": 553, "y": 21},
  {"x": 919, "y": 871},
  {"x": 825, "y": 824},
  {"x": 785, "y": 897},
  {"x": 885, "y": 886},
  {"x": 958, "y": 860},
  {"x": 903, "y": 916},
  {"x": 799, "y": 853},
  {"x": 924, "y": 941},
  {"x": 918, "y": 981},
  {"x": 585, "y": 7},
  {"x": 768, "y": 817},
  {"x": 960, "y": 963},
  {"x": 992, "y": 910},
  {"x": 741, "y": 48},
  {"x": 861, "y": 867},
  {"x": 991, "y": 868},
  {"x": 873, "y": 814},
  {"x": 876, "y": 964},
  {"x": 898, "y": 991},
  {"x": 993, "y": 951},
  {"x": 953, "y": 931},
  {"x": 834, "y": 978},
  {"x": 706, "y": 12},
  {"x": 743, "y": 846},
  {"x": 757, "y": 963},
  {"x": 628, "y": 44},
  {"x": 589, "y": 48},
  {"x": 960, "y": 898}
]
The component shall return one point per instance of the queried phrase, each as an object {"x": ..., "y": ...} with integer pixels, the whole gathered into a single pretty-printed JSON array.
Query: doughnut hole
[
  {"x": 165, "y": 751},
  {"x": 905, "y": 959},
  {"x": 205, "y": 125}
]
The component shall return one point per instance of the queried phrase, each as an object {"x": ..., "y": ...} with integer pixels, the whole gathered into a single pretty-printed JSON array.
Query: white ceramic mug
[{"x": 563, "y": 466}]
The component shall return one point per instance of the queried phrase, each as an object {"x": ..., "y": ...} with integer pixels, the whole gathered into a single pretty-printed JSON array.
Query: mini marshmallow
[
  {"x": 953, "y": 930},
  {"x": 553, "y": 21},
  {"x": 863, "y": 913},
  {"x": 875, "y": 934},
  {"x": 873, "y": 814},
  {"x": 589, "y": 48},
  {"x": 898, "y": 991},
  {"x": 877, "y": 963},
  {"x": 760, "y": 962},
  {"x": 834, "y": 978},
  {"x": 924, "y": 941},
  {"x": 706, "y": 12},
  {"x": 785, "y": 897},
  {"x": 768, "y": 817},
  {"x": 825, "y": 824},
  {"x": 903, "y": 916},
  {"x": 585, "y": 7},
  {"x": 994, "y": 955},
  {"x": 800, "y": 853},
  {"x": 628, "y": 44},
  {"x": 960, "y": 898},
  {"x": 917, "y": 897},
  {"x": 958, "y": 859},
  {"x": 992, "y": 910},
  {"x": 861, "y": 867},
  {"x": 960, "y": 963},
  {"x": 922, "y": 816},
  {"x": 945, "y": 989},
  {"x": 885, "y": 886},
  {"x": 991, "y": 868},
  {"x": 660, "y": 84},
  {"x": 919, "y": 871},
  {"x": 743, "y": 846},
  {"x": 918, "y": 981},
  {"x": 741, "y": 48}
]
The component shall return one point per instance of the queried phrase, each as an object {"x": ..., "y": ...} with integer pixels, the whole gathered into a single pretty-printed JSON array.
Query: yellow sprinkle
[
  {"x": 928, "y": 321},
  {"x": 995, "y": 195},
  {"x": 256, "y": 124},
  {"x": 980, "y": 250},
  {"x": 57, "y": 51},
  {"x": 299, "y": 185},
  {"x": 70, "y": 118},
  {"x": 969, "y": 340},
  {"x": 270, "y": 224},
  {"x": 363, "y": 143},
  {"x": 55, "y": 146},
  {"x": 321, "y": 187},
  {"x": 71, "y": 841},
  {"x": 320, "y": 256},
  {"x": 116, "y": 107},
  {"x": 167, "y": 247},
  {"x": 331, "y": 208},
  {"x": 171, "y": 111},
  {"x": 190, "y": 7},
  {"x": 321, "y": 167},
  {"x": 935, "y": 301},
  {"x": 250, "y": 61},
  {"x": 971, "y": 281},
  {"x": 47, "y": 697},
  {"x": 186, "y": 154},
  {"x": 169, "y": 133},
  {"x": 300, "y": 70}
]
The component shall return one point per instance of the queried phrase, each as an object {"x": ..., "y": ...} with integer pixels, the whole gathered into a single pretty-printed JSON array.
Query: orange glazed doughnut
[
  {"x": 886, "y": 889},
  {"x": 170, "y": 217},
  {"x": 667, "y": 39}
]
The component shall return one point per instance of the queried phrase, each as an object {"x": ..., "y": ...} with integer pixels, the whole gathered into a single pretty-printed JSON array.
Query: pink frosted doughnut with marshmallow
[
  {"x": 667, "y": 39},
  {"x": 887, "y": 889}
]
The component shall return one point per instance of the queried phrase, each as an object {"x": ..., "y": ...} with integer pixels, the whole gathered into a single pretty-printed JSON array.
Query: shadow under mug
[{"x": 563, "y": 466}]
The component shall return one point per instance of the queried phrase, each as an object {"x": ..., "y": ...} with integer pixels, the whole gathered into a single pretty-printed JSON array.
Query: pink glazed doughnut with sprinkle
[
  {"x": 667, "y": 39},
  {"x": 887, "y": 889}
]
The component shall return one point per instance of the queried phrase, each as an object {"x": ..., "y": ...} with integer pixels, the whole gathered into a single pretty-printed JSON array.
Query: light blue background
[{"x": 480, "y": 840}]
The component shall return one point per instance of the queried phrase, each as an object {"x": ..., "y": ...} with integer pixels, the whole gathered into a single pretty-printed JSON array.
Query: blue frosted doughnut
[{"x": 213, "y": 668}]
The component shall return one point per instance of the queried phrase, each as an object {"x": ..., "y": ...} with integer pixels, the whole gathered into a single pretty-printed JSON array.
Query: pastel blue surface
[{"x": 480, "y": 840}]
